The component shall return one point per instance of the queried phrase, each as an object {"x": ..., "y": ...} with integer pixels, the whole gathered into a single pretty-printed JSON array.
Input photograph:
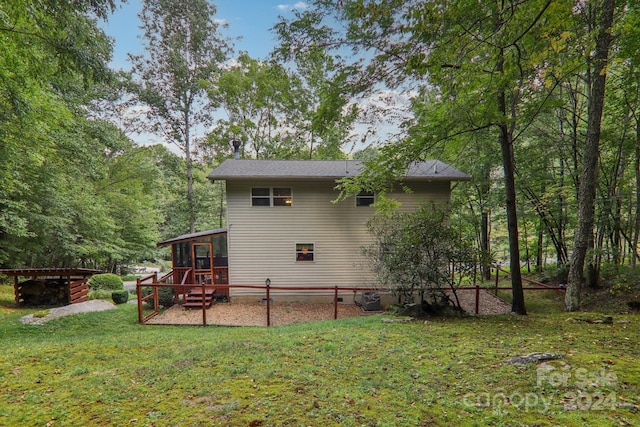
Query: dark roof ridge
[{"x": 326, "y": 169}]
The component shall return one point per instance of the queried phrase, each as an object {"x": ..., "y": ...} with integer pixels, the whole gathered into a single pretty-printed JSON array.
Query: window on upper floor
[
  {"x": 282, "y": 197},
  {"x": 365, "y": 198},
  {"x": 260, "y": 197},
  {"x": 266, "y": 196}
]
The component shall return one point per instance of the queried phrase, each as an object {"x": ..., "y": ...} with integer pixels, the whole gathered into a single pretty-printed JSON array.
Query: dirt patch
[{"x": 255, "y": 313}]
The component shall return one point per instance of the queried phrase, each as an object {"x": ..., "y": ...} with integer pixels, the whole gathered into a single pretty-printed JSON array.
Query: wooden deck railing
[{"x": 155, "y": 284}]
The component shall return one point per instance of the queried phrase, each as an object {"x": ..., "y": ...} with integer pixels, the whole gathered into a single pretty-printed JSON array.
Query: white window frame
[
  {"x": 279, "y": 197},
  {"x": 311, "y": 249},
  {"x": 272, "y": 197}
]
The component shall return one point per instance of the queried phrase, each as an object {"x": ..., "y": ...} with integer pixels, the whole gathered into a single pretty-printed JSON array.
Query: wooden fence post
[
  {"x": 139, "y": 294},
  {"x": 204, "y": 304},
  {"x": 268, "y": 304},
  {"x": 156, "y": 302},
  {"x": 477, "y": 299}
]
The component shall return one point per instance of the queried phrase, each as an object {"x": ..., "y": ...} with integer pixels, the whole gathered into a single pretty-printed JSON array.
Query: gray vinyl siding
[{"x": 262, "y": 239}]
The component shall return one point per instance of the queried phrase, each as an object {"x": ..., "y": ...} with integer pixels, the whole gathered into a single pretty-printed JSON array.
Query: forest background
[{"x": 537, "y": 100}]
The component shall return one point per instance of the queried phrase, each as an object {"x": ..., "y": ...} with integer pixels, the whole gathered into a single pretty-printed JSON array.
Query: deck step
[
  {"x": 196, "y": 304},
  {"x": 194, "y": 299},
  {"x": 198, "y": 291}
]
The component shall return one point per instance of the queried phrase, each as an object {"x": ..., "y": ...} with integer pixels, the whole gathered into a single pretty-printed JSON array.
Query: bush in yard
[
  {"x": 120, "y": 297},
  {"x": 100, "y": 294},
  {"x": 165, "y": 296},
  {"x": 106, "y": 281},
  {"x": 415, "y": 254}
]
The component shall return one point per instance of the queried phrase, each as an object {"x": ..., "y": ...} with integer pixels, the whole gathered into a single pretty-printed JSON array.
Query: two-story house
[{"x": 284, "y": 223}]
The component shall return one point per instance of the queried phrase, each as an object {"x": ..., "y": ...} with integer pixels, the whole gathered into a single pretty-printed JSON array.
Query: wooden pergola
[{"x": 76, "y": 280}]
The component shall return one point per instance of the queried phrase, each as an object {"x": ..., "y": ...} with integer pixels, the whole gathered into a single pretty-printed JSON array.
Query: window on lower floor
[
  {"x": 365, "y": 198},
  {"x": 304, "y": 252}
]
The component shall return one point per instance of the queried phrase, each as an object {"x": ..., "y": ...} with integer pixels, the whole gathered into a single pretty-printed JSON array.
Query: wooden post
[
  {"x": 204, "y": 305},
  {"x": 69, "y": 289},
  {"x": 335, "y": 303},
  {"x": 139, "y": 294},
  {"x": 477, "y": 299},
  {"x": 156, "y": 296},
  {"x": 268, "y": 304},
  {"x": 497, "y": 278},
  {"x": 16, "y": 292}
]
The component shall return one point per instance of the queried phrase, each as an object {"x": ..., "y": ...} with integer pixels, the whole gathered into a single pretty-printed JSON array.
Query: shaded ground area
[{"x": 255, "y": 313}]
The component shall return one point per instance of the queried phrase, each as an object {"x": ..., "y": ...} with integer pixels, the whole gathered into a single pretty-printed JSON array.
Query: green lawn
[{"x": 104, "y": 369}]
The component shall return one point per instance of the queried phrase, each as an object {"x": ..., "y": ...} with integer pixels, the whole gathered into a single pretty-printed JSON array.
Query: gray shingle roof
[{"x": 429, "y": 170}]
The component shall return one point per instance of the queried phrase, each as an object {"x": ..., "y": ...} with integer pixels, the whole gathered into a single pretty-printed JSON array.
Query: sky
[{"x": 249, "y": 19}]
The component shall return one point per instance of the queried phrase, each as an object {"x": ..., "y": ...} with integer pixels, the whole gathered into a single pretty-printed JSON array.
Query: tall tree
[
  {"x": 51, "y": 54},
  {"x": 262, "y": 101},
  {"x": 328, "y": 113},
  {"x": 183, "y": 48},
  {"x": 283, "y": 111},
  {"x": 588, "y": 179}
]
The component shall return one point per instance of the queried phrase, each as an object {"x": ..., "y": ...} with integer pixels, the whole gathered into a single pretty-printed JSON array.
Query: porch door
[{"x": 202, "y": 262}]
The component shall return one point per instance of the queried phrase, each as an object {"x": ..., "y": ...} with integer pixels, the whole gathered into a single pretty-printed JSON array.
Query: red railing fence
[{"x": 153, "y": 282}]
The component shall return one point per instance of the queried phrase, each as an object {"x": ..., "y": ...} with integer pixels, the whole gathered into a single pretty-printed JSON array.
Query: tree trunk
[
  {"x": 637, "y": 218},
  {"x": 506, "y": 145},
  {"x": 187, "y": 153},
  {"x": 484, "y": 242},
  {"x": 561, "y": 247},
  {"x": 588, "y": 181},
  {"x": 539, "y": 252},
  {"x": 508, "y": 164}
]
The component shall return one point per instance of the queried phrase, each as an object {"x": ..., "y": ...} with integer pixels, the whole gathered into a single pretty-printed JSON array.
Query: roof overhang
[
  {"x": 192, "y": 236},
  {"x": 332, "y": 170},
  {"x": 63, "y": 272}
]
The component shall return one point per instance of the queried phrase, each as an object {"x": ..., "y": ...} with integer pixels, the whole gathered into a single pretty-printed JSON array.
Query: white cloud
[{"x": 287, "y": 7}]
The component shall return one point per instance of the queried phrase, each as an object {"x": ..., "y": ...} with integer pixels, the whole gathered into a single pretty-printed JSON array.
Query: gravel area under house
[{"x": 255, "y": 313}]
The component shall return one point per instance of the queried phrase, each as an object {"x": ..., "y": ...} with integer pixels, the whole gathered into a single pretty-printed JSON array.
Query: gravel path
[
  {"x": 255, "y": 313},
  {"x": 83, "y": 307}
]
